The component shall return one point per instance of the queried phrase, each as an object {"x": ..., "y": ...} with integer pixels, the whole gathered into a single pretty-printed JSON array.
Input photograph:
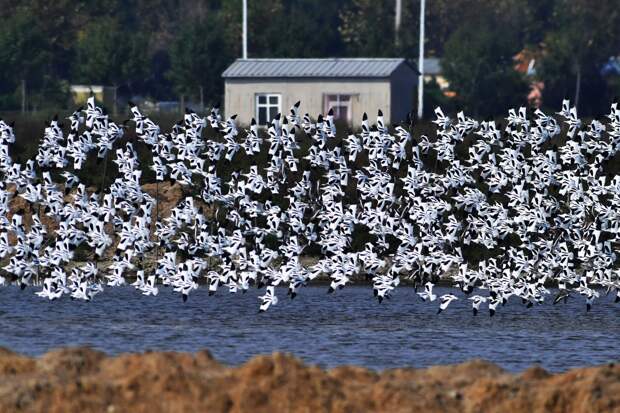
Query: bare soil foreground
[{"x": 84, "y": 380}]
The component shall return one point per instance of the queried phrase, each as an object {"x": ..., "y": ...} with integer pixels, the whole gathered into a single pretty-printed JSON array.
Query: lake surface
[{"x": 348, "y": 327}]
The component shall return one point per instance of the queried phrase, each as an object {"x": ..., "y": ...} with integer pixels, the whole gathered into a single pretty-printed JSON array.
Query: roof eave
[
  {"x": 412, "y": 67},
  {"x": 308, "y": 77}
]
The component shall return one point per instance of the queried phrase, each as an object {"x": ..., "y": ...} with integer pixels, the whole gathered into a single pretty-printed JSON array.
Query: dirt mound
[
  {"x": 168, "y": 196},
  {"x": 84, "y": 380}
]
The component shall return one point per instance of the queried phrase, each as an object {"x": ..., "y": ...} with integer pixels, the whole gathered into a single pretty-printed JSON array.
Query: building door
[{"x": 268, "y": 105}]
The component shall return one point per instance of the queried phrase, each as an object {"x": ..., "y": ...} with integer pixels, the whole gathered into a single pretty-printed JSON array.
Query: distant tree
[
  {"x": 266, "y": 25},
  {"x": 478, "y": 63},
  {"x": 285, "y": 28},
  {"x": 24, "y": 57},
  {"x": 367, "y": 28},
  {"x": 582, "y": 37},
  {"x": 58, "y": 24},
  {"x": 309, "y": 29},
  {"x": 110, "y": 55},
  {"x": 434, "y": 97},
  {"x": 198, "y": 56},
  {"x": 130, "y": 44}
]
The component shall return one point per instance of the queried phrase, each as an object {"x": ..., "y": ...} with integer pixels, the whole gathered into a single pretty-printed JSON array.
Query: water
[{"x": 349, "y": 327}]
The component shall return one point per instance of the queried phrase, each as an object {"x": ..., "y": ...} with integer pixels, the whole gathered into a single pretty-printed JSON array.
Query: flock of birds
[{"x": 498, "y": 212}]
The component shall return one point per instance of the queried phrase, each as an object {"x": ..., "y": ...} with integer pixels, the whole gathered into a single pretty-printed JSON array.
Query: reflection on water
[{"x": 348, "y": 327}]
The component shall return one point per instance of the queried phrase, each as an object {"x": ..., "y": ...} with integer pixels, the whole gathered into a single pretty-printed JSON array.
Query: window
[
  {"x": 341, "y": 105},
  {"x": 267, "y": 107}
]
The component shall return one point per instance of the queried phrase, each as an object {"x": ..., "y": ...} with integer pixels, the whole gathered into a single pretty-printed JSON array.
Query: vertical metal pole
[
  {"x": 245, "y": 29},
  {"x": 397, "y": 19},
  {"x": 421, "y": 63}
]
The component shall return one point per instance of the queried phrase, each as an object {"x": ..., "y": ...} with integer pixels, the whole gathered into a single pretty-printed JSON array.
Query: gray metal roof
[
  {"x": 331, "y": 67},
  {"x": 432, "y": 66}
]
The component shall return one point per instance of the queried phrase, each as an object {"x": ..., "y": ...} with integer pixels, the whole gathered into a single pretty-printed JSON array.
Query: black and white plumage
[
  {"x": 445, "y": 301},
  {"x": 268, "y": 299},
  {"x": 542, "y": 205}
]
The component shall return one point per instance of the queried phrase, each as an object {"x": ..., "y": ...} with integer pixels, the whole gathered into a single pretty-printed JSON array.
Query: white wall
[{"x": 368, "y": 96}]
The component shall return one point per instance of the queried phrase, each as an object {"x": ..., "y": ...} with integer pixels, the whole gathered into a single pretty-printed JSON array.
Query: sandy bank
[{"x": 83, "y": 380}]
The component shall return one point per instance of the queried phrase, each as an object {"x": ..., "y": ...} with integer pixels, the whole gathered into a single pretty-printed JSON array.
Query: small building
[
  {"x": 261, "y": 88},
  {"x": 81, "y": 93},
  {"x": 432, "y": 71}
]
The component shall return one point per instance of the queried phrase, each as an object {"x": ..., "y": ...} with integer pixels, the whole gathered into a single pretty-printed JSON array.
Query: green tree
[
  {"x": 479, "y": 66},
  {"x": 582, "y": 37},
  {"x": 108, "y": 54},
  {"x": 367, "y": 28},
  {"x": 24, "y": 57},
  {"x": 285, "y": 28},
  {"x": 198, "y": 56},
  {"x": 309, "y": 29}
]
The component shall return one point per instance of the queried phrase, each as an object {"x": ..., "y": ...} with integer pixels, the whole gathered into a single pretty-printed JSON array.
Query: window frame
[
  {"x": 266, "y": 105},
  {"x": 349, "y": 104}
]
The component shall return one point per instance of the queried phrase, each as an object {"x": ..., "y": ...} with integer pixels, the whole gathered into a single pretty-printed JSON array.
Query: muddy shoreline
[{"x": 85, "y": 380}]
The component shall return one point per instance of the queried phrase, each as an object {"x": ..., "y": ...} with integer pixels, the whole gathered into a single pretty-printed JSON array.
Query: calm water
[{"x": 349, "y": 327}]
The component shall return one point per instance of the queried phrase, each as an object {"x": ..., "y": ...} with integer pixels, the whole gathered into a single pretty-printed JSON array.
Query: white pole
[
  {"x": 421, "y": 63},
  {"x": 245, "y": 29}
]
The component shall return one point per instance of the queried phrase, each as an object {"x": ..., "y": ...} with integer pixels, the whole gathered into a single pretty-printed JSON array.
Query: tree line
[{"x": 177, "y": 50}]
